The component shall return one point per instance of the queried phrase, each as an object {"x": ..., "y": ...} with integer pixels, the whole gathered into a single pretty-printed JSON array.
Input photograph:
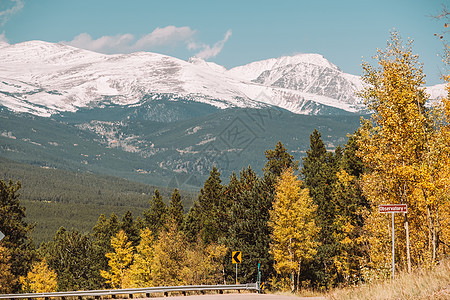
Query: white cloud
[
  {"x": 160, "y": 37},
  {"x": 169, "y": 35},
  {"x": 6, "y": 14},
  {"x": 126, "y": 43},
  {"x": 208, "y": 51},
  {"x": 104, "y": 44}
]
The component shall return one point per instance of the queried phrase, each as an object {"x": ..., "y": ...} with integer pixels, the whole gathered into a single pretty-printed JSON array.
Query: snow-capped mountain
[{"x": 46, "y": 78}]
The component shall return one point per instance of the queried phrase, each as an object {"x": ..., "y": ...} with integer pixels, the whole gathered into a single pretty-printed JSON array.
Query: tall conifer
[
  {"x": 176, "y": 208},
  {"x": 319, "y": 173},
  {"x": 15, "y": 229},
  {"x": 155, "y": 218}
]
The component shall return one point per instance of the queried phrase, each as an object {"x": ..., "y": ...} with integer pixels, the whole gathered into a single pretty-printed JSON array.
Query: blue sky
[{"x": 229, "y": 32}]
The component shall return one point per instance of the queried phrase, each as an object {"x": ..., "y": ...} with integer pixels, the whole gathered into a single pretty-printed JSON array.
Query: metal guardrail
[{"x": 147, "y": 291}]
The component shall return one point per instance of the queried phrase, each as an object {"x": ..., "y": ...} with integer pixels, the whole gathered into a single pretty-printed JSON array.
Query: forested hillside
[{"x": 55, "y": 198}]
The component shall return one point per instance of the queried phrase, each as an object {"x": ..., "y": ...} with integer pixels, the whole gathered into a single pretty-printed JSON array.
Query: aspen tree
[
  {"x": 398, "y": 146},
  {"x": 119, "y": 260},
  {"x": 40, "y": 279},
  {"x": 294, "y": 228},
  {"x": 140, "y": 272}
]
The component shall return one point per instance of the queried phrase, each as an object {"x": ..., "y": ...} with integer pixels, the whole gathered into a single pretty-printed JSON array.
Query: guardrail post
[
  {"x": 183, "y": 293},
  {"x": 166, "y": 294},
  {"x": 130, "y": 296},
  {"x": 147, "y": 295}
]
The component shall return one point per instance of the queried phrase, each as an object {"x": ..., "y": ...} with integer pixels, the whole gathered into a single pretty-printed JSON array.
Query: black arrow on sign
[{"x": 236, "y": 257}]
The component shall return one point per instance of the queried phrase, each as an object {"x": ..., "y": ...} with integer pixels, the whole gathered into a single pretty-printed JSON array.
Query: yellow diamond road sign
[{"x": 236, "y": 257}]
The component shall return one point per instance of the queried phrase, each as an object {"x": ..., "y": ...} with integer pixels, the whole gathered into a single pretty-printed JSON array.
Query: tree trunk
[
  {"x": 298, "y": 274},
  {"x": 431, "y": 235},
  {"x": 434, "y": 238},
  {"x": 291, "y": 255},
  {"x": 408, "y": 254},
  {"x": 292, "y": 282},
  {"x": 224, "y": 277}
]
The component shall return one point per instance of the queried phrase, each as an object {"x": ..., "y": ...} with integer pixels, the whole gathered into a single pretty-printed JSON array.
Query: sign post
[
  {"x": 2, "y": 235},
  {"x": 236, "y": 258},
  {"x": 259, "y": 278},
  {"x": 393, "y": 208}
]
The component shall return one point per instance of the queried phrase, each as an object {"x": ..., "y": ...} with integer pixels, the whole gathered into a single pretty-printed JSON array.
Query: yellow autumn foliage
[
  {"x": 140, "y": 272},
  {"x": 119, "y": 261},
  {"x": 294, "y": 228},
  {"x": 406, "y": 149},
  {"x": 7, "y": 279},
  {"x": 40, "y": 279}
]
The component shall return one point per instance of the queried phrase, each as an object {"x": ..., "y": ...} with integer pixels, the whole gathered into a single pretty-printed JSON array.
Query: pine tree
[
  {"x": 72, "y": 256},
  {"x": 192, "y": 225},
  {"x": 15, "y": 229},
  {"x": 319, "y": 173},
  {"x": 248, "y": 231},
  {"x": 156, "y": 217},
  {"x": 294, "y": 228},
  {"x": 279, "y": 160},
  {"x": 130, "y": 227},
  {"x": 352, "y": 163},
  {"x": 176, "y": 210},
  {"x": 213, "y": 209},
  {"x": 7, "y": 279},
  {"x": 348, "y": 225}
]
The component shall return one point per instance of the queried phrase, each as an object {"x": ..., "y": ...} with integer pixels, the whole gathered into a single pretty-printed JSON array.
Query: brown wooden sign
[{"x": 393, "y": 208}]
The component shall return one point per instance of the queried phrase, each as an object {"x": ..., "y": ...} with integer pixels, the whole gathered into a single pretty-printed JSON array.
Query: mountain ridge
[{"x": 45, "y": 78}]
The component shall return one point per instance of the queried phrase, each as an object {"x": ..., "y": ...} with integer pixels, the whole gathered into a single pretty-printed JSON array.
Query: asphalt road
[{"x": 246, "y": 296}]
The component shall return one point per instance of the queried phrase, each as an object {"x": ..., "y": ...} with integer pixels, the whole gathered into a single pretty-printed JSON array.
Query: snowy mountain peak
[
  {"x": 304, "y": 58},
  {"x": 45, "y": 78},
  {"x": 210, "y": 65},
  {"x": 254, "y": 69},
  {"x": 37, "y": 53}
]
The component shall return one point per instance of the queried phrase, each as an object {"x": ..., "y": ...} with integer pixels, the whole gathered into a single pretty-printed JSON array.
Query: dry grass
[
  {"x": 422, "y": 284},
  {"x": 303, "y": 293}
]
